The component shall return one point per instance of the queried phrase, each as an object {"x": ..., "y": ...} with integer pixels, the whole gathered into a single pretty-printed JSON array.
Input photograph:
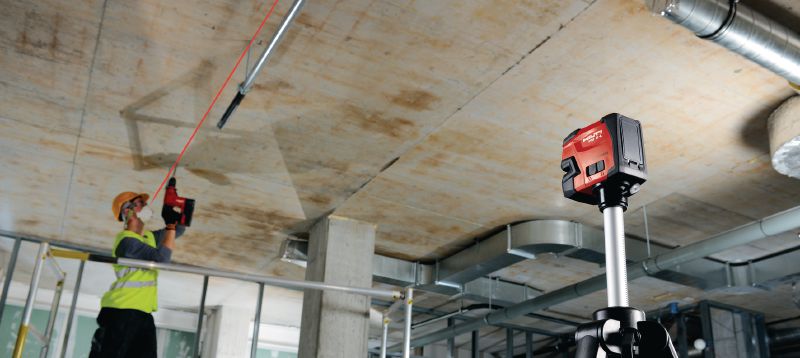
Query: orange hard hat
[{"x": 123, "y": 198}]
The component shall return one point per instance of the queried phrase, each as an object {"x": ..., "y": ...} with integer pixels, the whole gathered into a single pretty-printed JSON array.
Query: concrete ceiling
[{"x": 436, "y": 120}]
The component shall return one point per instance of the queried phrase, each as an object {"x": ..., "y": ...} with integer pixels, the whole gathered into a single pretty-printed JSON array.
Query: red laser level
[
  {"x": 172, "y": 201},
  {"x": 608, "y": 154}
]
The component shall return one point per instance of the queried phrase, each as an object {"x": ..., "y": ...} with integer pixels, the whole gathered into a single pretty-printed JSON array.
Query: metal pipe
[
  {"x": 509, "y": 343},
  {"x": 245, "y": 86},
  {"x": 436, "y": 319},
  {"x": 257, "y": 321},
  {"x": 200, "y": 315},
  {"x": 528, "y": 345},
  {"x": 273, "y": 44},
  {"x": 272, "y": 281},
  {"x": 475, "y": 344},
  {"x": 51, "y": 319},
  {"x": 72, "y": 307},
  {"x": 9, "y": 274},
  {"x": 409, "y": 298},
  {"x": 739, "y": 29},
  {"x": 771, "y": 225},
  {"x": 384, "y": 336},
  {"x": 26, "y": 316},
  {"x": 616, "y": 275},
  {"x": 55, "y": 267},
  {"x": 451, "y": 342}
]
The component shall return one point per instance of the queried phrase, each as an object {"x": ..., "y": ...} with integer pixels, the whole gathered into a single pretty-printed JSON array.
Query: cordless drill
[{"x": 172, "y": 201}]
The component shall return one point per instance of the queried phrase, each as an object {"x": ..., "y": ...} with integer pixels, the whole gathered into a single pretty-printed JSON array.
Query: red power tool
[
  {"x": 607, "y": 153},
  {"x": 172, "y": 201}
]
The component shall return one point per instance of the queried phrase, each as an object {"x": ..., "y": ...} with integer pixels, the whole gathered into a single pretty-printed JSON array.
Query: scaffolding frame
[
  {"x": 47, "y": 256},
  {"x": 43, "y": 257}
]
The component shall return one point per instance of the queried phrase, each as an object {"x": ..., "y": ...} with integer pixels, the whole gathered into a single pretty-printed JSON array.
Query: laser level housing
[{"x": 604, "y": 162}]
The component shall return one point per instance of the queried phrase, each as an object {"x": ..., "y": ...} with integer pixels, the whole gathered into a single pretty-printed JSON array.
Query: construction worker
[{"x": 126, "y": 327}]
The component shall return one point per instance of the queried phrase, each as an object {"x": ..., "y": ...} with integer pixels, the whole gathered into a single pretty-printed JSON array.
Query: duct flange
[{"x": 784, "y": 137}]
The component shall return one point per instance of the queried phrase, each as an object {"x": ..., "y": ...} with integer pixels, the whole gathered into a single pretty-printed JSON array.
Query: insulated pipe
[
  {"x": 26, "y": 316},
  {"x": 739, "y": 29},
  {"x": 771, "y": 225},
  {"x": 72, "y": 307},
  {"x": 245, "y": 86},
  {"x": 616, "y": 275}
]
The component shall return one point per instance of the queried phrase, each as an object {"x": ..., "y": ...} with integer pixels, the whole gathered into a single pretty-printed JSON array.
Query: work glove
[{"x": 170, "y": 215}]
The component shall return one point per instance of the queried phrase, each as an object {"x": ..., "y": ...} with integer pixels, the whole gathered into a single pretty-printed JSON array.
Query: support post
[
  {"x": 384, "y": 335},
  {"x": 200, "y": 315},
  {"x": 476, "y": 344},
  {"x": 51, "y": 319},
  {"x": 451, "y": 342},
  {"x": 407, "y": 330},
  {"x": 509, "y": 343},
  {"x": 528, "y": 344},
  {"x": 9, "y": 273},
  {"x": 26, "y": 315},
  {"x": 257, "y": 321},
  {"x": 616, "y": 273},
  {"x": 72, "y": 307}
]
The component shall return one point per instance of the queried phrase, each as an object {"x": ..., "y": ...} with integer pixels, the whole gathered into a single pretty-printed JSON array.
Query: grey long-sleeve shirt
[{"x": 132, "y": 248}]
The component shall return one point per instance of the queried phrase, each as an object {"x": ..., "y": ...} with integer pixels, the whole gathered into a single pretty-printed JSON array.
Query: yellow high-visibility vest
[{"x": 135, "y": 288}]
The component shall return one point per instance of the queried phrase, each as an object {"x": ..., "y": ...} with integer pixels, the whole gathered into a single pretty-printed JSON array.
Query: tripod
[{"x": 619, "y": 330}]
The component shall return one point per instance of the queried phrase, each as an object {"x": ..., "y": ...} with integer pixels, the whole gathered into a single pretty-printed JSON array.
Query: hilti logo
[{"x": 592, "y": 137}]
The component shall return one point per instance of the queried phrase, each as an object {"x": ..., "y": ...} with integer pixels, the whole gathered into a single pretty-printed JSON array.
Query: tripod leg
[
  {"x": 587, "y": 347},
  {"x": 655, "y": 341}
]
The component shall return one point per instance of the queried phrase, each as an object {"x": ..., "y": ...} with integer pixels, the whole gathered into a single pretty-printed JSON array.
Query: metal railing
[{"x": 46, "y": 256}]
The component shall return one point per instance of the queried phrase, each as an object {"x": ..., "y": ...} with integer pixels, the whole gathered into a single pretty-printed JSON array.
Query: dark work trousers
[{"x": 124, "y": 333}]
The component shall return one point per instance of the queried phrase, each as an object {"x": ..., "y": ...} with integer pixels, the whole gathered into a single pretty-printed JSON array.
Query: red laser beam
[{"x": 214, "y": 101}]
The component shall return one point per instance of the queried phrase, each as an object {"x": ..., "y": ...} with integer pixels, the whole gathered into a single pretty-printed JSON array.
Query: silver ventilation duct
[
  {"x": 771, "y": 225},
  {"x": 739, "y": 29}
]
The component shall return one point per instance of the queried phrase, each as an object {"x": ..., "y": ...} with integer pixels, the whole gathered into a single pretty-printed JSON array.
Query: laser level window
[{"x": 631, "y": 143}]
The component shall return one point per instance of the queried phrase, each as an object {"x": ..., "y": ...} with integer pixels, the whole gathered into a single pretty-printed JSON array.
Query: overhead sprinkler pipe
[
  {"x": 250, "y": 79},
  {"x": 739, "y": 29},
  {"x": 769, "y": 226}
]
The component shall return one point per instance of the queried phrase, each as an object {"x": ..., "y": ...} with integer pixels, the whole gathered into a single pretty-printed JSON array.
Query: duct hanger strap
[{"x": 725, "y": 24}]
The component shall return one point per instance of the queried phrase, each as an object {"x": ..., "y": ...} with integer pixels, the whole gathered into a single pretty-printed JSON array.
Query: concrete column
[
  {"x": 229, "y": 328},
  {"x": 336, "y": 324}
]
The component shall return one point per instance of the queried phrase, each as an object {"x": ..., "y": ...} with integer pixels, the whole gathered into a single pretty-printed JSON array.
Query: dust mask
[{"x": 145, "y": 214}]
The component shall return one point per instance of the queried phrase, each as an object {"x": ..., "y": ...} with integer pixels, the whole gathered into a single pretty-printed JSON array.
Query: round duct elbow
[{"x": 784, "y": 137}]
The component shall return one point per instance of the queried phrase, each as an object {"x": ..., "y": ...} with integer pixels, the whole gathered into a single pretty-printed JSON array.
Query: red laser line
[{"x": 214, "y": 101}]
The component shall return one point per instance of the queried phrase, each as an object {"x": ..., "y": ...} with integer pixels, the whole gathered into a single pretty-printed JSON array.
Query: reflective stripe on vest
[
  {"x": 131, "y": 284},
  {"x": 127, "y": 270}
]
